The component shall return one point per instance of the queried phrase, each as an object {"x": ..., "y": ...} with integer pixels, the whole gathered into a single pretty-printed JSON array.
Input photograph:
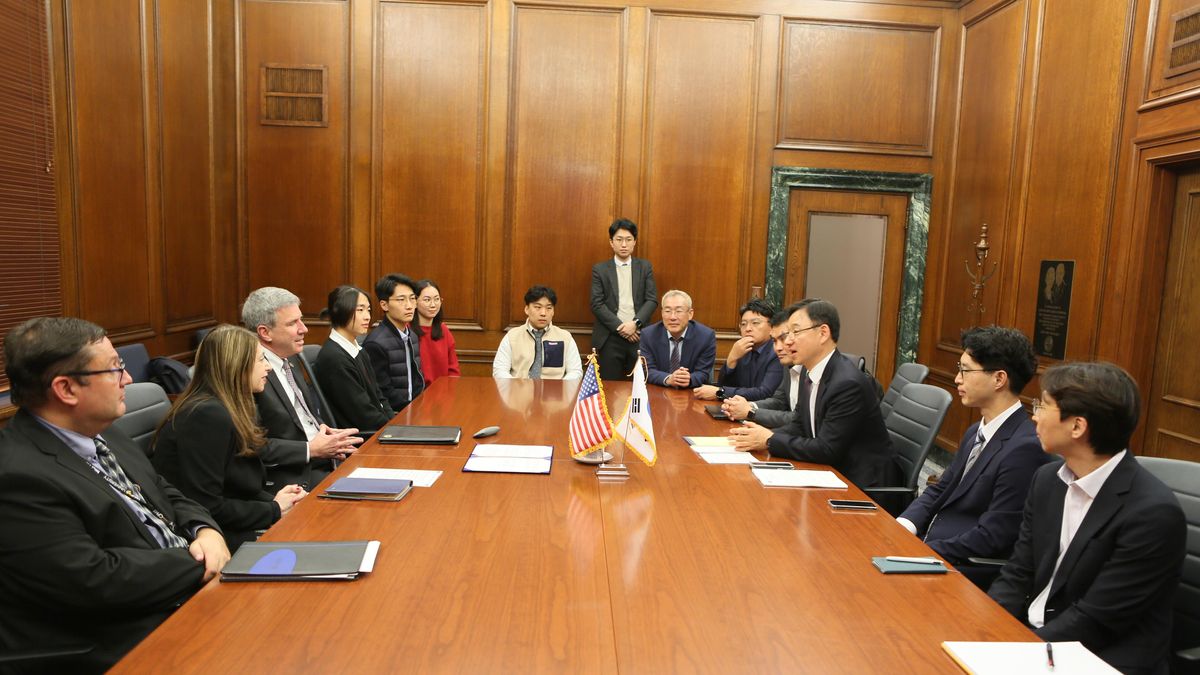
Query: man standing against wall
[{"x": 624, "y": 298}]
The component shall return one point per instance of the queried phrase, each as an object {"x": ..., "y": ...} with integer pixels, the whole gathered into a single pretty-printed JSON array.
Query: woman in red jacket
[{"x": 438, "y": 358}]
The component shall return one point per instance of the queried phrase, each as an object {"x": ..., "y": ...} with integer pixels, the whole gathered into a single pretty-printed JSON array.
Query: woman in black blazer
[
  {"x": 344, "y": 370},
  {"x": 207, "y": 446}
]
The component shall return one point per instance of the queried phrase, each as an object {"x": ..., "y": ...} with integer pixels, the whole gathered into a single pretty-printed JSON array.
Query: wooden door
[
  {"x": 893, "y": 208},
  {"x": 1173, "y": 405}
]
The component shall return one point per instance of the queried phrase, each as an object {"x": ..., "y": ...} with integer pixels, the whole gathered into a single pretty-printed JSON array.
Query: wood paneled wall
[
  {"x": 504, "y": 137},
  {"x": 488, "y": 144},
  {"x": 145, "y": 252}
]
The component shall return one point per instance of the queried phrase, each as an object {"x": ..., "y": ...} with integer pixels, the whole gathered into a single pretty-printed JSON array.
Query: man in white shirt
[
  {"x": 975, "y": 509},
  {"x": 537, "y": 349},
  {"x": 1102, "y": 541}
]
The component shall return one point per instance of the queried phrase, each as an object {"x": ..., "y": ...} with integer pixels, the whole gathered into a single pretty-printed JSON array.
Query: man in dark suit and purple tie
[{"x": 680, "y": 352}]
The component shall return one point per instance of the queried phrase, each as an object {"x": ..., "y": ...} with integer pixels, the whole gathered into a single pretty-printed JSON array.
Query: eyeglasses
[
  {"x": 623, "y": 240},
  {"x": 963, "y": 370},
  {"x": 118, "y": 370},
  {"x": 431, "y": 300},
  {"x": 1038, "y": 407},
  {"x": 407, "y": 299},
  {"x": 795, "y": 332},
  {"x": 675, "y": 311},
  {"x": 752, "y": 322}
]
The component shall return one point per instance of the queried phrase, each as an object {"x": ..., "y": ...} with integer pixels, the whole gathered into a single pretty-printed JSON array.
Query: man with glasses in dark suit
[
  {"x": 837, "y": 419},
  {"x": 96, "y": 549}
]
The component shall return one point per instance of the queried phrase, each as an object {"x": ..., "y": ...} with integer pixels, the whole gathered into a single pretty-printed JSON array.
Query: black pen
[{"x": 1050, "y": 655}]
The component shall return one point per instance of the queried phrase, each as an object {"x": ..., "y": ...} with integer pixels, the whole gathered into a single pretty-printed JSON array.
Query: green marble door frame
[{"x": 918, "y": 187}]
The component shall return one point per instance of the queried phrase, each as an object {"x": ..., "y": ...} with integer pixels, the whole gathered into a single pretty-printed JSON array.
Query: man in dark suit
[
  {"x": 95, "y": 547},
  {"x": 775, "y": 410},
  {"x": 300, "y": 445},
  {"x": 837, "y": 420},
  {"x": 624, "y": 298},
  {"x": 1102, "y": 541},
  {"x": 751, "y": 370},
  {"x": 975, "y": 509},
  {"x": 679, "y": 351}
]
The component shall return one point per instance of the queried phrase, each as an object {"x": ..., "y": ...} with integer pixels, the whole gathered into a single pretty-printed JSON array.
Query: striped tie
[
  {"x": 976, "y": 450},
  {"x": 151, "y": 516}
]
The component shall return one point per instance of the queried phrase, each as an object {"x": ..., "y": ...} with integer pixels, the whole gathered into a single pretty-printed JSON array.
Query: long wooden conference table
[{"x": 683, "y": 567}]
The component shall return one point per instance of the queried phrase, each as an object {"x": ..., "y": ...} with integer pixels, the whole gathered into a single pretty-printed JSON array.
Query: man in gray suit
[{"x": 623, "y": 299}]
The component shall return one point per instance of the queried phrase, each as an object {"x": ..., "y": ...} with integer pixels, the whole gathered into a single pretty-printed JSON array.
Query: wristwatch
[
  {"x": 753, "y": 411},
  {"x": 721, "y": 395}
]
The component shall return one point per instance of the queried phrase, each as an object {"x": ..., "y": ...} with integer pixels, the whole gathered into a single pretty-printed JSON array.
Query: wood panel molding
[
  {"x": 566, "y": 83},
  {"x": 431, "y": 147},
  {"x": 831, "y": 67},
  {"x": 1164, "y": 84},
  {"x": 700, "y": 141},
  {"x": 983, "y": 166}
]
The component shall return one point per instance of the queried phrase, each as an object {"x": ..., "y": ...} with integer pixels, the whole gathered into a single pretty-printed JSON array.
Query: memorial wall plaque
[{"x": 1053, "y": 308}]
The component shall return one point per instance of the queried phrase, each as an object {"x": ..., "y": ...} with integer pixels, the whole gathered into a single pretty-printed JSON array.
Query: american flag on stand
[{"x": 591, "y": 428}]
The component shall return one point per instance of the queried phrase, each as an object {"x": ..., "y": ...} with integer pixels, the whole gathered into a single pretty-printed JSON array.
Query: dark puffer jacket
[{"x": 385, "y": 347}]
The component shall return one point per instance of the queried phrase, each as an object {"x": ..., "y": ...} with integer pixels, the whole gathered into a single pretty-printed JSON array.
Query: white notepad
[
  {"x": 419, "y": 477},
  {"x": 698, "y": 443},
  {"x": 504, "y": 458},
  {"x": 726, "y": 457},
  {"x": 1002, "y": 658},
  {"x": 798, "y": 478}
]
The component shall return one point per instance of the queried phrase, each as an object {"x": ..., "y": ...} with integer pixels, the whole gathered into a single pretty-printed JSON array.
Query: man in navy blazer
[
  {"x": 1102, "y": 541},
  {"x": 624, "y": 298},
  {"x": 975, "y": 509},
  {"x": 751, "y": 370},
  {"x": 693, "y": 345},
  {"x": 837, "y": 419}
]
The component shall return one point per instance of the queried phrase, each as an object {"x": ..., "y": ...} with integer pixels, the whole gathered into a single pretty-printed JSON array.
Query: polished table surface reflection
[{"x": 685, "y": 566}]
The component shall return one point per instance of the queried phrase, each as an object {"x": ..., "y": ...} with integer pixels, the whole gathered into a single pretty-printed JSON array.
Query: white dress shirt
[{"x": 1081, "y": 492}]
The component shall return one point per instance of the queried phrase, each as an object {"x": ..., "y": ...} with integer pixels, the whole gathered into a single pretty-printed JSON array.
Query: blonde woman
[{"x": 207, "y": 446}]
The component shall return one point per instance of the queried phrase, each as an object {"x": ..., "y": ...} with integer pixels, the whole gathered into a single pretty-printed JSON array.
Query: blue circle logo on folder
[{"x": 281, "y": 561}]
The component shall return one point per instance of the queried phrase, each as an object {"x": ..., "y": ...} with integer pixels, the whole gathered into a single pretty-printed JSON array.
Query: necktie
[
  {"x": 976, "y": 450},
  {"x": 151, "y": 516},
  {"x": 539, "y": 356},
  {"x": 676, "y": 353},
  {"x": 301, "y": 404},
  {"x": 806, "y": 401}
]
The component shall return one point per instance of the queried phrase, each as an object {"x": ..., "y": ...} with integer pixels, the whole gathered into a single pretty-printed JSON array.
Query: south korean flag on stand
[{"x": 635, "y": 428}]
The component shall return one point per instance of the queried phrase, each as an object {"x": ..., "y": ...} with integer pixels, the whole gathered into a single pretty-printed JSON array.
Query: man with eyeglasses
[
  {"x": 96, "y": 549},
  {"x": 775, "y": 410},
  {"x": 393, "y": 347},
  {"x": 301, "y": 446},
  {"x": 1102, "y": 541},
  {"x": 680, "y": 352},
  {"x": 623, "y": 298},
  {"x": 837, "y": 419},
  {"x": 974, "y": 510},
  {"x": 751, "y": 369}
]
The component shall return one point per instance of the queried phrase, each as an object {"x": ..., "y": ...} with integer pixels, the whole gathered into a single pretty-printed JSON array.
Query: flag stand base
[{"x": 612, "y": 471}]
